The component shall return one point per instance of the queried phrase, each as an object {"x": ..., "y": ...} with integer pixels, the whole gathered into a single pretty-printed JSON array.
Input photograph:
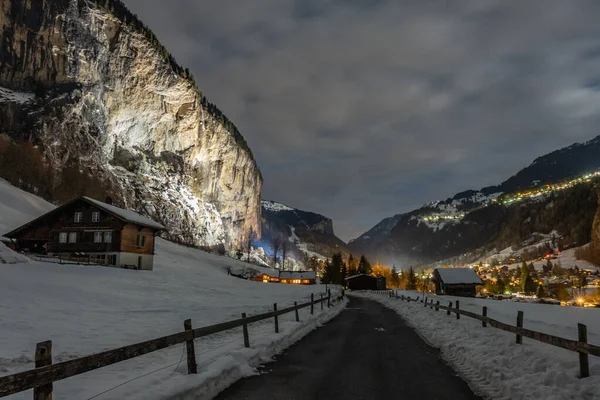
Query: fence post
[
  {"x": 484, "y": 323},
  {"x": 584, "y": 367},
  {"x": 321, "y": 301},
  {"x": 312, "y": 303},
  {"x": 449, "y": 308},
  {"x": 519, "y": 325},
  {"x": 245, "y": 329},
  {"x": 329, "y": 298},
  {"x": 431, "y": 304},
  {"x": 425, "y": 301},
  {"x": 191, "y": 352},
  {"x": 276, "y": 318},
  {"x": 43, "y": 357},
  {"x": 457, "y": 309},
  {"x": 437, "y": 305},
  {"x": 417, "y": 300}
]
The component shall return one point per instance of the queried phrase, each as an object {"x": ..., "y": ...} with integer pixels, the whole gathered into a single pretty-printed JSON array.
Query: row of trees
[
  {"x": 23, "y": 165},
  {"x": 337, "y": 270}
]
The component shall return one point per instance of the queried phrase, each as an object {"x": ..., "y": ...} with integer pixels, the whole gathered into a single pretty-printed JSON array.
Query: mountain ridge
[{"x": 388, "y": 240}]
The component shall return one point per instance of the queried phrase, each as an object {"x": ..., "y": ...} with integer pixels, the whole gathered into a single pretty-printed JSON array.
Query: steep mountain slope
[
  {"x": 309, "y": 232},
  {"x": 564, "y": 163},
  {"x": 538, "y": 199},
  {"x": 92, "y": 87}
]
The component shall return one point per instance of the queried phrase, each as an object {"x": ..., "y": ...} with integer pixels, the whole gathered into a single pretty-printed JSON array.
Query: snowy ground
[
  {"x": 490, "y": 361},
  {"x": 87, "y": 309}
]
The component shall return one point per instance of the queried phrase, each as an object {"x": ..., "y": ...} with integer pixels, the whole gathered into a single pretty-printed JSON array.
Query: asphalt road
[{"x": 367, "y": 352}]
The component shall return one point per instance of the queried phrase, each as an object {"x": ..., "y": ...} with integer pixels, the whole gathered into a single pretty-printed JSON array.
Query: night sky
[{"x": 359, "y": 110}]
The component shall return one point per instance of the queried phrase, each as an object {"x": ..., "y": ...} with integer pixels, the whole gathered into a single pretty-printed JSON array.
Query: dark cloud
[{"x": 363, "y": 109}]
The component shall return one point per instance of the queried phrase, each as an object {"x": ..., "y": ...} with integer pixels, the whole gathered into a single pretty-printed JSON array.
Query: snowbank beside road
[{"x": 490, "y": 361}]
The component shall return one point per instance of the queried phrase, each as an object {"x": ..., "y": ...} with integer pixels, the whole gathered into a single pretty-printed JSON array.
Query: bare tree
[
  {"x": 284, "y": 252},
  {"x": 250, "y": 238},
  {"x": 275, "y": 245},
  {"x": 251, "y": 273}
]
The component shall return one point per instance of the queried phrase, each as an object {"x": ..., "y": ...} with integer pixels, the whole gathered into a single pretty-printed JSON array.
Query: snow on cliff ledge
[{"x": 274, "y": 206}]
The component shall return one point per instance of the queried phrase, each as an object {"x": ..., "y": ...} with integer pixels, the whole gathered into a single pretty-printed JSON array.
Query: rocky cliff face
[{"x": 92, "y": 90}]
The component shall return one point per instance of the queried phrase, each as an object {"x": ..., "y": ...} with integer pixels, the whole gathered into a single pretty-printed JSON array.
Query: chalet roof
[
  {"x": 123, "y": 215},
  {"x": 453, "y": 276},
  {"x": 356, "y": 276},
  {"x": 297, "y": 275}
]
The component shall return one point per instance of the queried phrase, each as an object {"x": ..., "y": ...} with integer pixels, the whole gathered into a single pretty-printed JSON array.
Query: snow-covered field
[
  {"x": 87, "y": 309},
  {"x": 490, "y": 361}
]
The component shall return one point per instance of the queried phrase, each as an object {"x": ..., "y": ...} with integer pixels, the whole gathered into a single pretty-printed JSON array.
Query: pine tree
[
  {"x": 364, "y": 267},
  {"x": 395, "y": 279},
  {"x": 541, "y": 292},
  {"x": 352, "y": 269},
  {"x": 411, "y": 283}
]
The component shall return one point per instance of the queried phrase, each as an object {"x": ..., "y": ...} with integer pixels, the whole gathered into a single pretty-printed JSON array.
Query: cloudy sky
[{"x": 361, "y": 109}]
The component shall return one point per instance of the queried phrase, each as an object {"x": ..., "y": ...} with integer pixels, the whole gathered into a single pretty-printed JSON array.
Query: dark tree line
[
  {"x": 337, "y": 270},
  {"x": 23, "y": 165}
]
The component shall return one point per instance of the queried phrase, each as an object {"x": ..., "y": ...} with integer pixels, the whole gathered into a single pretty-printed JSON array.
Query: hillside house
[
  {"x": 456, "y": 281},
  {"x": 365, "y": 282},
  {"x": 266, "y": 278},
  {"x": 88, "y": 229},
  {"x": 298, "y": 277}
]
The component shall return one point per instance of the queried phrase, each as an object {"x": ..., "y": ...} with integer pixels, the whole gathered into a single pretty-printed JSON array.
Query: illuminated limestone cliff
[{"x": 88, "y": 86}]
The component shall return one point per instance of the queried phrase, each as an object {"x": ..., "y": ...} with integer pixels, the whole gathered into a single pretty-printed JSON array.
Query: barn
[
  {"x": 456, "y": 281},
  {"x": 365, "y": 282}
]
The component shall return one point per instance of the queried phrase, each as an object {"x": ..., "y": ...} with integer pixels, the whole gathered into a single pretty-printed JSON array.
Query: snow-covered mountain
[
  {"x": 310, "y": 233},
  {"x": 90, "y": 85},
  {"x": 493, "y": 215}
]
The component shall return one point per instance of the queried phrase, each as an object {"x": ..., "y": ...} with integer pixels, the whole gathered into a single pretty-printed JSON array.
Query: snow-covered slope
[
  {"x": 86, "y": 309},
  {"x": 18, "y": 207}
]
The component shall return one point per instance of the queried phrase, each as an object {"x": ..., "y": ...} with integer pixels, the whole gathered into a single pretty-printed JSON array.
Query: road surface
[{"x": 367, "y": 352}]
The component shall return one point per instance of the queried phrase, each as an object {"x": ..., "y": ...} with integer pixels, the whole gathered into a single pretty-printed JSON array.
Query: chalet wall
[
  {"x": 129, "y": 236},
  {"x": 130, "y": 259}
]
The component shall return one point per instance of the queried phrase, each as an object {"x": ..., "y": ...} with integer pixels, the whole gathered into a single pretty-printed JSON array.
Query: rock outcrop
[{"x": 92, "y": 89}]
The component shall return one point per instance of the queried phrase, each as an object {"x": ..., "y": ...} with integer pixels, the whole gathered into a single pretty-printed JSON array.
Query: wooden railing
[
  {"x": 580, "y": 346},
  {"x": 45, "y": 373}
]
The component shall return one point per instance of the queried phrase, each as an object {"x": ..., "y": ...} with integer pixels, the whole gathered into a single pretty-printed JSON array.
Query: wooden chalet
[
  {"x": 456, "y": 281},
  {"x": 298, "y": 277},
  {"x": 91, "y": 230},
  {"x": 366, "y": 282},
  {"x": 266, "y": 278}
]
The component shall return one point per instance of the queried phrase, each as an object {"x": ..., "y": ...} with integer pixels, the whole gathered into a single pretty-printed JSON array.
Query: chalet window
[
  {"x": 141, "y": 240},
  {"x": 62, "y": 237},
  {"x": 108, "y": 237},
  {"x": 72, "y": 237},
  {"x": 95, "y": 216},
  {"x": 97, "y": 237},
  {"x": 78, "y": 216}
]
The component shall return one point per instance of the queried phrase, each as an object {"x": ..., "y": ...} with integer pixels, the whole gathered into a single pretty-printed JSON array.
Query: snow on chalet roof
[
  {"x": 356, "y": 276},
  {"x": 458, "y": 275},
  {"x": 126, "y": 215},
  {"x": 297, "y": 275}
]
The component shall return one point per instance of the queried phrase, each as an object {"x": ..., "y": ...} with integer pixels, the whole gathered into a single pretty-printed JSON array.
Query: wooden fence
[
  {"x": 45, "y": 373},
  {"x": 580, "y": 346}
]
